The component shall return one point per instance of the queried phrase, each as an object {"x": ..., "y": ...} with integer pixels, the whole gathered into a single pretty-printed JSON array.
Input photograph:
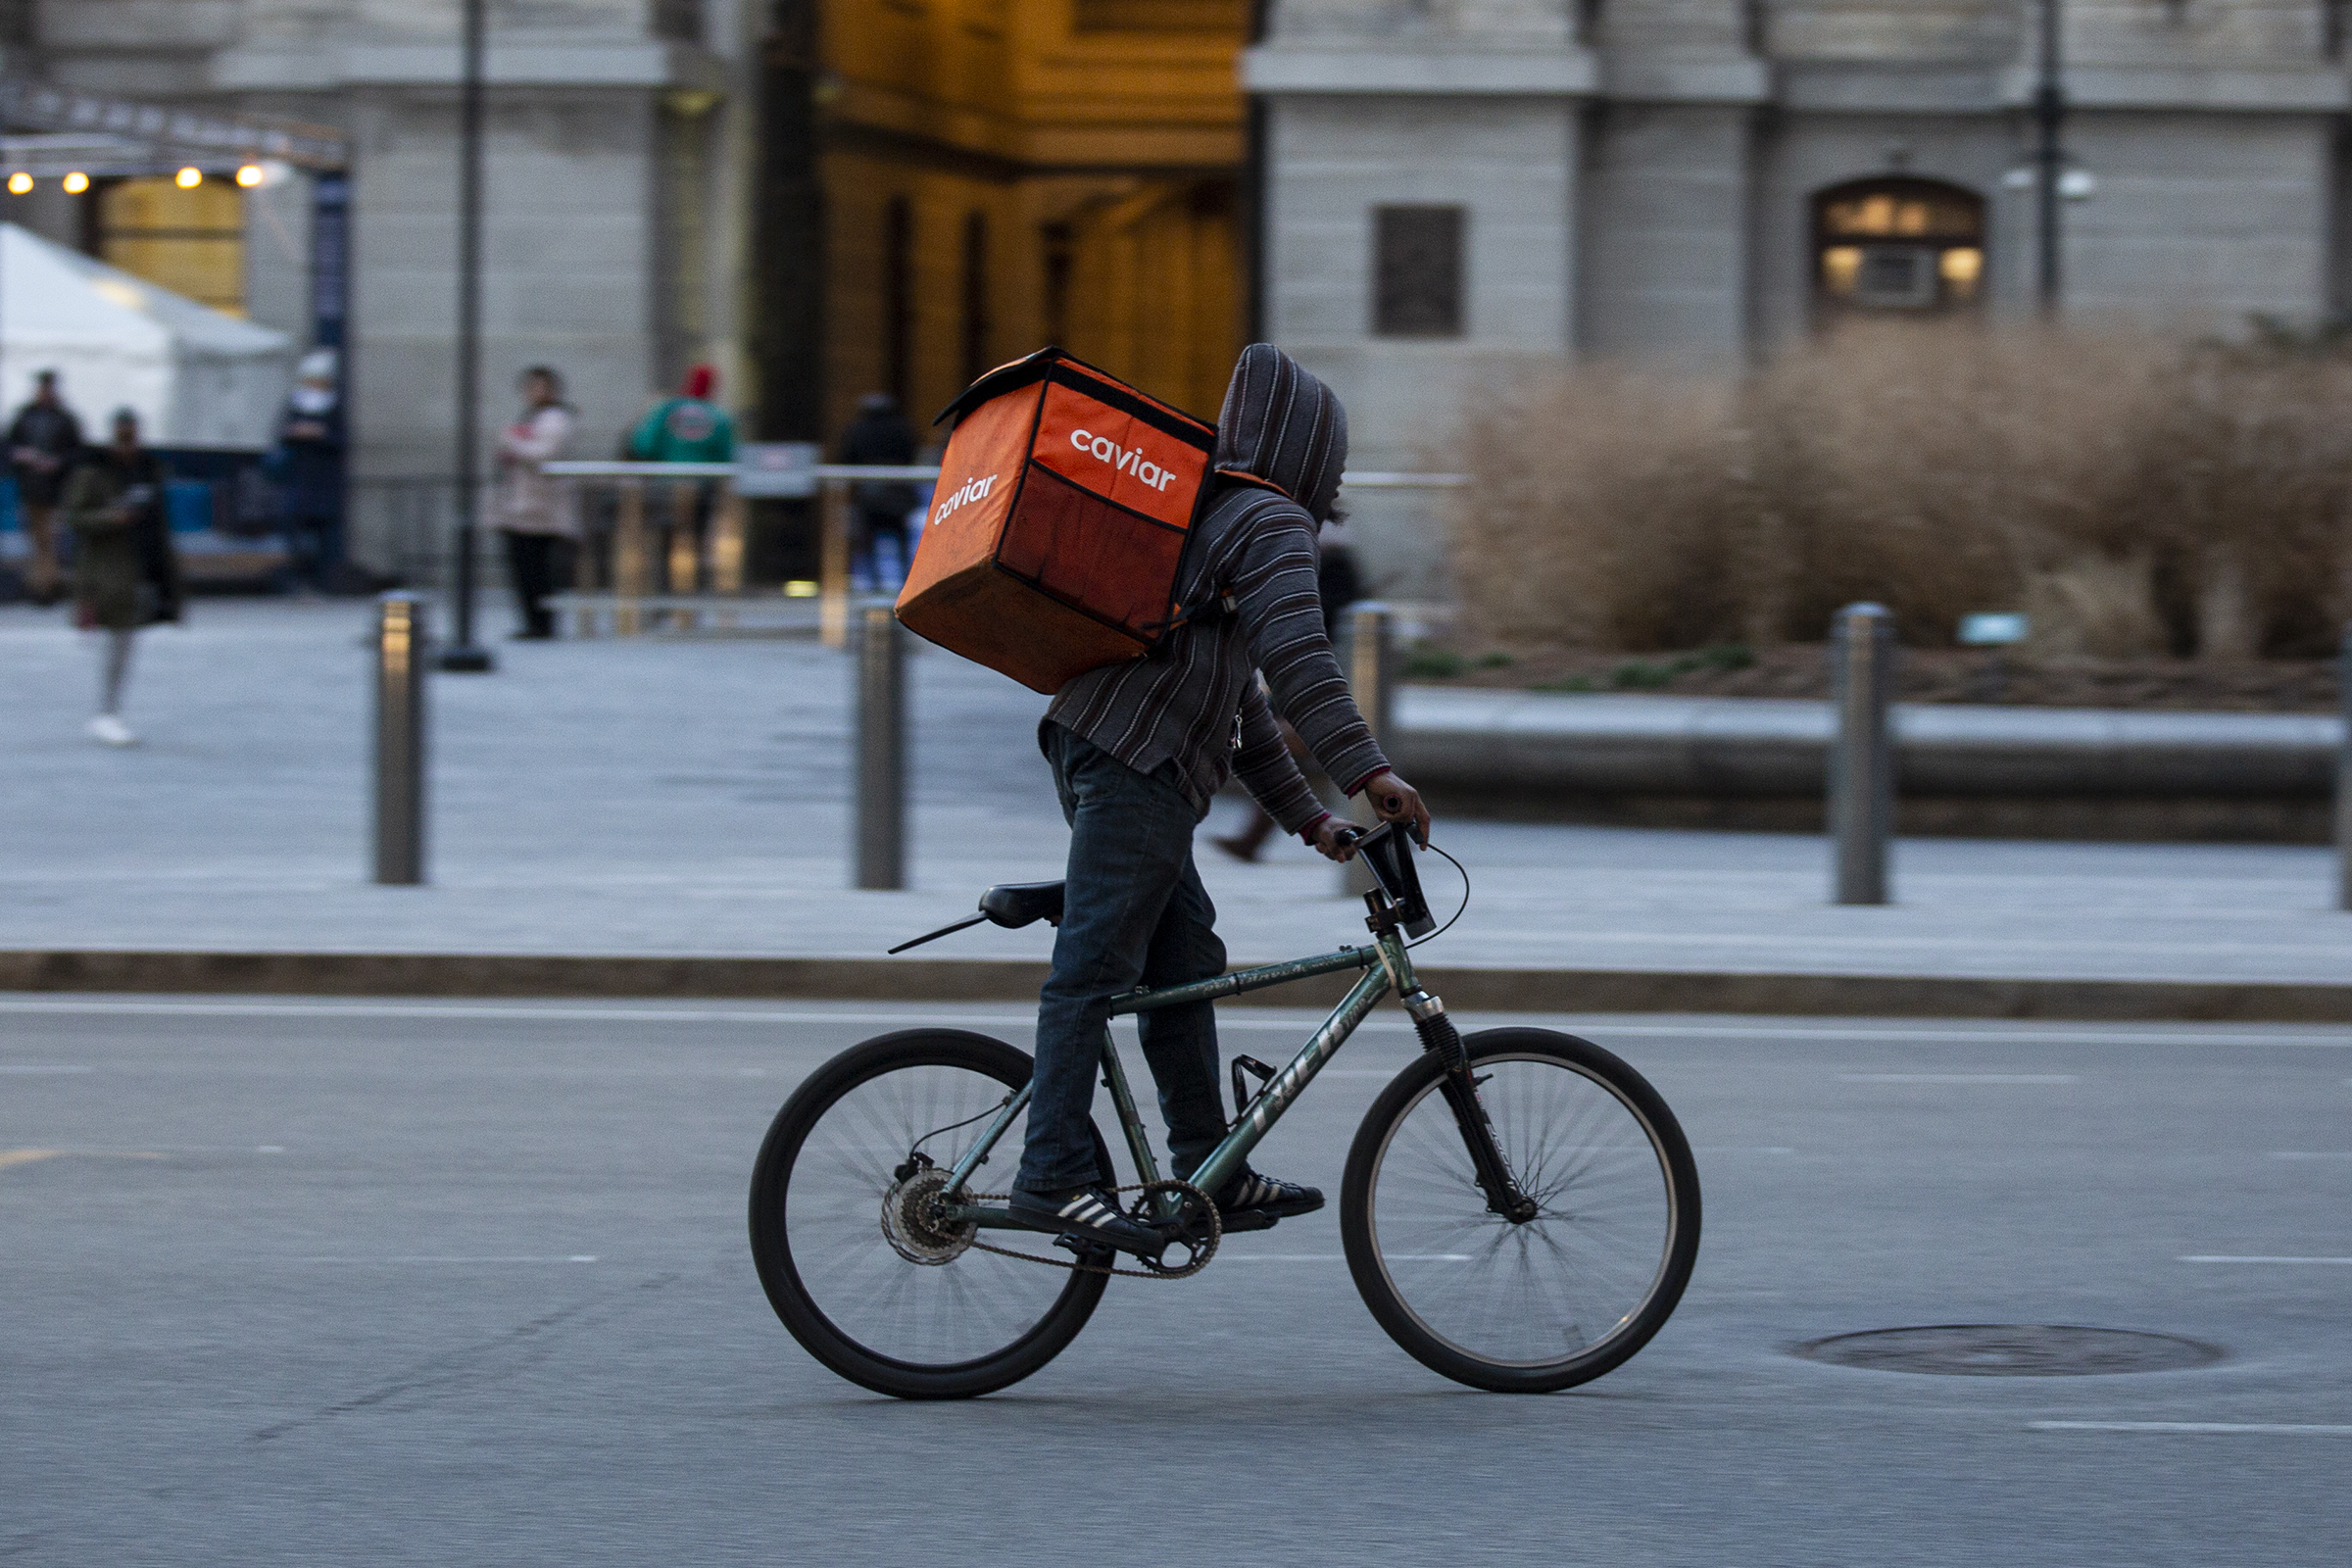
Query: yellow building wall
[{"x": 1101, "y": 139}]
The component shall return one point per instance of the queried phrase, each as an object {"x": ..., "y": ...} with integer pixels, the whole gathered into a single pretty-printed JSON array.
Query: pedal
[
  {"x": 1248, "y": 1219},
  {"x": 1241, "y": 1098},
  {"x": 1093, "y": 1253}
]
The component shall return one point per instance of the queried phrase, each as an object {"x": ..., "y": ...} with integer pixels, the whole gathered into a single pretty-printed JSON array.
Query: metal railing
[{"x": 698, "y": 568}]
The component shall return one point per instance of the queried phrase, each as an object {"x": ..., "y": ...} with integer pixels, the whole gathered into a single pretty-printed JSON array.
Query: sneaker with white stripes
[
  {"x": 1249, "y": 1193},
  {"x": 1091, "y": 1213}
]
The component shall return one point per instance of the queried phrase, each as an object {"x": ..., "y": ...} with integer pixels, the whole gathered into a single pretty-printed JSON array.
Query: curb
[{"x": 435, "y": 974}]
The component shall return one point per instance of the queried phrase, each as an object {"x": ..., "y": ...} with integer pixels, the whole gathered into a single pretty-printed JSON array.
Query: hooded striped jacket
[{"x": 1195, "y": 699}]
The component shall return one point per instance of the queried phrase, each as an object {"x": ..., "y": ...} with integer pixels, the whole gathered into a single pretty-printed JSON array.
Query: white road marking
[
  {"x": 1013, "y": 1014},
  {"x": 2311, "y": 1153},
  {"x": 577, "y": 1258},
  {"x": 1959, "y": 1078},
  {"x": 2219, "y": 1257},
  {"x": 40, "y": 1067},
  {"x": 1741, "y": 1148},
  {"x": 2288, "y": 1428}
]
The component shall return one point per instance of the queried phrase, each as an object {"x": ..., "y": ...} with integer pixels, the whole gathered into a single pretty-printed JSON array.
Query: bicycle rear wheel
[
  {"x": 1567, "y": 1296},
  {"x": 847, "y": 1261}
]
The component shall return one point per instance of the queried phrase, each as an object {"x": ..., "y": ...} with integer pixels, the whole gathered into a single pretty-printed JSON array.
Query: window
[
  {"x": 1899, "y": 244},
  {"x": 898, "y": 298},
  {"x": 191, "y": 242},
  {"x": 1417, "y": 271},
  {"x": 975, "y": 296},
  {"x": 678, "y": 19}
]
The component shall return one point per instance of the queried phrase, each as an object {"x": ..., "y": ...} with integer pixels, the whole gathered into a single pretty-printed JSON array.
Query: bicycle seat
[{"x": 1018, "y": 903}]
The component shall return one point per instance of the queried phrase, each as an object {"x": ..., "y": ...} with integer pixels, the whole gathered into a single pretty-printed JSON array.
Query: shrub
[{"x": 2132, "y": 493}]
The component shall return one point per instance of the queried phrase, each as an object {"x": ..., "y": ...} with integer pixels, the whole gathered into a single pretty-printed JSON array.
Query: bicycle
[{"x": 1520, "y": 1209}]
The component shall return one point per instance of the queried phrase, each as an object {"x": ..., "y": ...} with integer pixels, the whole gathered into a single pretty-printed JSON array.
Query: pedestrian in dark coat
[
  {"x": 880, "y": 434},
  {"x": 311, "y": 438},
  {"x": 43, "y": 441},
  {"x": 126, "y": 573}
]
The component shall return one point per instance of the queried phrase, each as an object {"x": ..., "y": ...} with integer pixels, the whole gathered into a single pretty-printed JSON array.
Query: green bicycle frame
[{"x": 1387, "y": 967}]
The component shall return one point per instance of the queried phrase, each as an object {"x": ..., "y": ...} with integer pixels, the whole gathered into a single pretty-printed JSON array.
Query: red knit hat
[{"x": 700, "y": 381}]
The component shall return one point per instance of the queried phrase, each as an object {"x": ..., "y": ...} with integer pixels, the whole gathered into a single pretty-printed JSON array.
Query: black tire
[
  {"x": 1471, "y": 1295},
  {"x": 832, "y": 1152}
]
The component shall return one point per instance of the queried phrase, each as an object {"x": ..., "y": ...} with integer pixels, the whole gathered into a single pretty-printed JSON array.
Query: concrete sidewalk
[{"x": 687, "y": 801}]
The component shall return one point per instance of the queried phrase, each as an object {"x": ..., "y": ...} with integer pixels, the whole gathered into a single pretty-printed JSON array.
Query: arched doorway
[{"x": 1897, "y": 244}]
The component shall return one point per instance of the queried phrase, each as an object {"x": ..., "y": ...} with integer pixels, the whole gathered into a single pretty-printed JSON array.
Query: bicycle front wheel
[
  {"x": 1553, "y": 1301},
  {"x": 861, "y": 1274}
]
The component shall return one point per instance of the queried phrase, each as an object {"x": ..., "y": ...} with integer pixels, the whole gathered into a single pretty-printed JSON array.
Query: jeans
[{"x": 1134, "y": 913}]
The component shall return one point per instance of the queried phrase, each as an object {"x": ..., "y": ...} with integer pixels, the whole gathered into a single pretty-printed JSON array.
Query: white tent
[{"x": 196, "y": 377}]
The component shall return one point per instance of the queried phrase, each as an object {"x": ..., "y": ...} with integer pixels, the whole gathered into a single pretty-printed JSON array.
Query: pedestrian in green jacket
[
  {"x": 126, "y": 573},
  {"x": 686, "y": 428}
]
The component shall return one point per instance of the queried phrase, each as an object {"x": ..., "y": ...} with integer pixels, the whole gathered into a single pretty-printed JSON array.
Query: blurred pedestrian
[
  {"x": 310, "y": 437},
  {"x": 878, "y": 508},
  {"x": 43, "y": 442},
  {"x": 688, "y": 428},
  {"x": 126, "y": 573},
  {"x": 535, "y": 509}
]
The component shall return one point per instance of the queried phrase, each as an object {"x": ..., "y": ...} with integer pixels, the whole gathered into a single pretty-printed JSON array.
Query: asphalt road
[{"x": 327, "y": 1283}]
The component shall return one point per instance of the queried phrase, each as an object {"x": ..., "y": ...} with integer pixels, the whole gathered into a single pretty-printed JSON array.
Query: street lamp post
[
  {"x": 463, "y": 654},
  {"x": 2049, "y": 156}
]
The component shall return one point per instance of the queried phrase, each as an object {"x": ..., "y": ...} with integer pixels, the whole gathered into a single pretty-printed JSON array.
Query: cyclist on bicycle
[{"x": 1139, "y": 749}]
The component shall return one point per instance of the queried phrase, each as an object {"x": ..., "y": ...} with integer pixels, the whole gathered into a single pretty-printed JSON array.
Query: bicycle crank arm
[
  {"x": 987, "y": 1216},
  {"x": 1441, "y": 1039}
]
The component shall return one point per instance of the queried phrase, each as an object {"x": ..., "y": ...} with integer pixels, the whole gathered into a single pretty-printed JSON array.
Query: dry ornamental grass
[{"x": 2135, "y": 494}]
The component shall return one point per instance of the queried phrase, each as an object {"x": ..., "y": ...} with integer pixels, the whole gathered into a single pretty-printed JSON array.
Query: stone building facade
[
  {"x": 1456, "y": 183},
  {"x": 823, "y": 197},
  {"x": 611, "y": 226}
]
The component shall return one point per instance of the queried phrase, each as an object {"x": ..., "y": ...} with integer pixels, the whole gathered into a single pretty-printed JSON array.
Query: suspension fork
[{"x": 1442, "y": 1040}]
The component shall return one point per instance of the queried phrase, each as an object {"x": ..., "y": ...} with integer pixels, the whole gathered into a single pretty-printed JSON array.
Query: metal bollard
[
  {"x": 2343, "y": 780},
  {"x": 880, "y": 786},
  {"x": 400, "y": 670},
  {"x": 1372, "y": 679},
  {"x": 1862, "y": 761}
]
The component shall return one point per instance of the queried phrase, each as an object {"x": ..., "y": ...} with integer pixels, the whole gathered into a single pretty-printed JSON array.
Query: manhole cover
[{"x": 2011, "y": 1351}]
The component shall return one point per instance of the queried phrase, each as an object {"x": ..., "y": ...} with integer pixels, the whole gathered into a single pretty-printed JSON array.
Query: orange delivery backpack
[{"x": 1064, "y": 502}]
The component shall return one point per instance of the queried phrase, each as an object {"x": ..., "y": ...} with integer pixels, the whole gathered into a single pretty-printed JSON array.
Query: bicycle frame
[{"x": 1389, "y": 968}]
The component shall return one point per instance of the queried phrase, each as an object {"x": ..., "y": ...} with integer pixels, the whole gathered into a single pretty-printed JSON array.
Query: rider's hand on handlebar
[
  {"x": 1335, "y": 839},
  {"x": 1392, "y": 800}
]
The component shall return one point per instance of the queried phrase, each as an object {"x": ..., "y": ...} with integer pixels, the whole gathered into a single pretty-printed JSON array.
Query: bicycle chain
[{"x": 1200, "y": 1256}]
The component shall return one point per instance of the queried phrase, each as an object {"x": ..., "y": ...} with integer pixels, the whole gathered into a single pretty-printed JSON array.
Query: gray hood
[{"x": 1284, "y": 426}]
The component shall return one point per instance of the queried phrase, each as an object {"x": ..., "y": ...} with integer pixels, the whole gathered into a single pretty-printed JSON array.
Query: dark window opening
[
  {"x": 1417, "y": 271},
  {"x": 975, "y": 296},
  {"x": 1061, "y": 260},
  {"x": 898, "y": 298}
]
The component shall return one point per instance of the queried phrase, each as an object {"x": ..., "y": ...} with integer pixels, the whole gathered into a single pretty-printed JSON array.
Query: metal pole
[
  {"x": 1372, "y": 679},
  {"x": 2049, "y": 121},
  {"x": 399, "y": 647},
  {"x": 465, "y": 655},
  {"x": 880, "y": 787},
  {"x": 2343, "y": 779},
  {"x": 1862, "y": 761}
]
